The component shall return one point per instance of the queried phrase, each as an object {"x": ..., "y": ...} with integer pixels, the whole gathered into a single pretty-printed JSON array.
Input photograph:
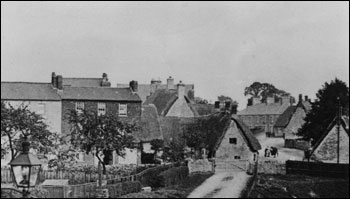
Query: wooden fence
[
  {"x": 318, "y": 169},
  {"x": 74, "y": 177}
]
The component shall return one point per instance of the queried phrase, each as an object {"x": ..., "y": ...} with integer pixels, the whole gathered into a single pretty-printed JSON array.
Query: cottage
[
  {"x": 263, "y": 116},
  {"x": 333, "y": 146},
  {"x": 236, "y": 147}
]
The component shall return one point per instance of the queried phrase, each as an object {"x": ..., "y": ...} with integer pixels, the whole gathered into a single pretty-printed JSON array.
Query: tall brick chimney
[
  {"x": 286, "y": 99},
  {"x": 59, "y": 82},
  {"x": 170, "y": 83},
  {"x": 301, "y": 97},
  {"x": 155, "y": 85},
  {"x": 134, "y": 86},
  {"x": 306, "y": 98},
  {"x": 54, "y": 80},
  {"x": 270, "y": 100},
  {"x": 181, "y": 89}
]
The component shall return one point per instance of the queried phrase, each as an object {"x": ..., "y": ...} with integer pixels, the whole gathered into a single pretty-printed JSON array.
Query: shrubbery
[
  {"x": 173, "y": 176},
  {"x": 151, "y": 177}
]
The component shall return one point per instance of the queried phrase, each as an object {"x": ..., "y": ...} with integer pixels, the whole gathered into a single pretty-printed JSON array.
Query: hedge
[{"x": 173, "y": 176}]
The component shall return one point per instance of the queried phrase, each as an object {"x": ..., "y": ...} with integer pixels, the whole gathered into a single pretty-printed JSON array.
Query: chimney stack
[
  {"x": 154, "y": 85},
  {"x": 234, "y": 108},
  {"x": 59, "y": 82},
  {"x": 134, "y": 86},
  {"x": 227, "y": 105},
  {"x": 105, "y": 82},
  {"x": 181, "y": 90},
  {"x": 170, "y": 83},
  {"x": 306, "y": 98},
  {"x": 217, "y": 106},
  {"x": 286, "y": 99},
  {"x": 256, "y": 100},
  {"x": 270, "y": 100},
  {"x": 54, "y": 80},
  {"x": 301, "y": 97}
]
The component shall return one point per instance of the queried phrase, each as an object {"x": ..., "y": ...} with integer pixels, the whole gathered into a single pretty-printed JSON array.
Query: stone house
[
  {"x": 146, "y": 90},
  {"x": 288, "y": 124},
  {"x": 40, "y": 98},
  {"x": 236, "y": 148},
  {"x": 263, "y": 116},
  {"x": 326, "y": 148}
]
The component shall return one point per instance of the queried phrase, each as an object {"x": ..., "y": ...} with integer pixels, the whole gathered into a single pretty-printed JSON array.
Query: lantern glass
[{"x": 26, "y": 176}]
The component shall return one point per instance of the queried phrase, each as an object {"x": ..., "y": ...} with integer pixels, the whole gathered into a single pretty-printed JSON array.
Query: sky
[{"x": 221, "y": 47}]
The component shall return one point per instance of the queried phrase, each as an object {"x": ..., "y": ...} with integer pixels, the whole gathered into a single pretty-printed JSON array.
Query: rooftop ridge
[{"x": 27, "y": 82}]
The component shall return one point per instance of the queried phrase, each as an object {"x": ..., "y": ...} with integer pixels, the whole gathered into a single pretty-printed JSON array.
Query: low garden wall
[
  {"x": 267, "y": 166},
  {"x": 201, "y": 165}
]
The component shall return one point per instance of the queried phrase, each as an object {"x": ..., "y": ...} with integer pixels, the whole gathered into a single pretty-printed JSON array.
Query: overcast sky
[{"x": 221, "y": 47}]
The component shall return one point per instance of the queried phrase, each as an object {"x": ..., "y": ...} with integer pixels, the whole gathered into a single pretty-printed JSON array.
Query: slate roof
[
  {"x": 344, "y": 123},
  {"x": 265, "y": 109},
  {"x": 150, "y": 125},
  {"x": 82, "y": 82},
  {"x": 283, "y": 120},
  {"x": 99, "y": 94},
  {"x": 28, "y": 91},
  {"x": 251, "y": 140},
  {"x": 163, "y": 100}
]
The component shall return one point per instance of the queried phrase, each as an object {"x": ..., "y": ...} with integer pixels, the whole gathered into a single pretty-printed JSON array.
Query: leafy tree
[
  {"x": 174, "y": 152},
  {"x": 20, "y": 123},
  {"x": 100, "y": 134},
  {"x": 263, "y": 90},
  {"x": 324, "y": 109},
  {"x": 157, "y": 145},
  {"x": 195, "y": 136}
]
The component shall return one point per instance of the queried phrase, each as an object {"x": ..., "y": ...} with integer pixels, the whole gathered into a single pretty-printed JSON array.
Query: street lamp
[{"x": 25, "y": 169}]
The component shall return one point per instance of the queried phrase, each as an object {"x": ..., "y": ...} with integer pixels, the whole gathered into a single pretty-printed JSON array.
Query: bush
[{"x": 173, "y": 176}]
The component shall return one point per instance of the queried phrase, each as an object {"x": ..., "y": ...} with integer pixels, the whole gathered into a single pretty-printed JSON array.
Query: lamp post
[{"x": 25, "y": 169}]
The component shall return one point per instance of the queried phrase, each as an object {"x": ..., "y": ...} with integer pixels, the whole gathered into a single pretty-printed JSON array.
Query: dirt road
[{"x": 222, "y": 185}]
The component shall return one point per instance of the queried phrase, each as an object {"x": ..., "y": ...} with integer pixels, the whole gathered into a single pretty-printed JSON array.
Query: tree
[
  {"x": 195, "y": 136},
  {"x": 157, "y": 145},
  {"x": 100, "y": 134},
  {"x": 18, "y": 124},
  {"x": 199, "y": 100},
  {"x": 324, "y": 109},
  {"x": 174, "y": 152},
  {"x": 263, "y": 90}
]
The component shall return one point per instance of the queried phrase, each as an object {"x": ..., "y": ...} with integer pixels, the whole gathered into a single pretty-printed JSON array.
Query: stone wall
[
  {"x": 271, "y": 167},
  {"x": 201, "y": 165}
]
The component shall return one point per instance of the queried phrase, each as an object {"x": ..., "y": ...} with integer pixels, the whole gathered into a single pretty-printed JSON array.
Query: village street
[
  {"x": 284, "y": 154},
  {"x": 222, "y": 185}
]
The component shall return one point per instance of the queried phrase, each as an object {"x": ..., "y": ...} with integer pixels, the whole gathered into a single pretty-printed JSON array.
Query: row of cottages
[
  {"x": 53, "y": 101},
  {"x": 146, "y": 90},
  {"x": 263, "y": 116},
  {"x": 333, "y": 146}
]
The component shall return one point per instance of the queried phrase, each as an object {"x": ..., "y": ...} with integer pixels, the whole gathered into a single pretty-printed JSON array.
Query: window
[
  {"x": 101, "y": 108},
  {"x": 123, "y": 110},
  {"x": 233, "y": 140},
  {"x": 263, "y": 119},
  {"x": 237, "y": 157},
  {"x": 257, "y": 119},
  {"x": 79, "y": 107}
]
